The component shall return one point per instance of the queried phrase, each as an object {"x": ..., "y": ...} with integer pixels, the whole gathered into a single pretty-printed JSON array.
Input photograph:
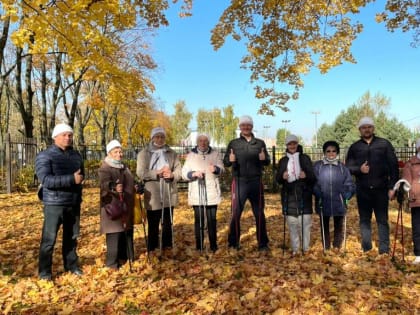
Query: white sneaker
[{"x": 416, "y": 261}]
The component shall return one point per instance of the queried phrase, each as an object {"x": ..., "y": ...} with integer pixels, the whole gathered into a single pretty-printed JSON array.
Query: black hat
[{"x": 331, "y": 144}]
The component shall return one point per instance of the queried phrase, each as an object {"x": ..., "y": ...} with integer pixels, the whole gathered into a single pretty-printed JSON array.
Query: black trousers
[
  {"x": 153, "y": 220},
  {"x": 119, "y": 248},
  {"x": 200, "y": 225},
  {"x": 338, "y": 231},
  {"x": 54, "y": 217},
  {"x": 243, "y": 190}
]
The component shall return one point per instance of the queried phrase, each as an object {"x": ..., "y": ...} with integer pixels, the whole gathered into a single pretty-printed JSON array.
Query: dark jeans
[
  {"x": 200, "y": 225},
  {"x": 153, "y": 220},
  {"x": 415, "y": 227},
  {"x": 252, "y": 190},
  {"x": 369, "y": 201},
  {"x": 338, "y": 231},
  {"x": 119, "y": 248},
  {"x": 54, "y": 217}
]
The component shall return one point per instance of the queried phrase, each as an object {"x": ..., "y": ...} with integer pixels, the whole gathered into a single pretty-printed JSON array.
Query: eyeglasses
[{"x": 331, "y": 151}]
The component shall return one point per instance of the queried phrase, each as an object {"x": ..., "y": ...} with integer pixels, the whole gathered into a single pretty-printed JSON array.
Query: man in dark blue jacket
[
  {"x": 247, "y": 156},
  {"x": 60, "y": 171},
  {"x": 373, "y": 162}
]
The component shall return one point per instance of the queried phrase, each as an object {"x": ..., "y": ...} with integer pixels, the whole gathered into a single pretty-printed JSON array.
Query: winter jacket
[
  {"x": 55, "y": 170},
  {"x": 383, "y": 163},
  {"x": 247, "y": 164},
  {"x": 296, "y": 196},
  {"x": 334, "y": 185},
  {"x": 200, "y": 161},
  {"x": 108, "y": 177},
  {"x": 155, "y": 188},
  {"x": 411, "y": 173}
]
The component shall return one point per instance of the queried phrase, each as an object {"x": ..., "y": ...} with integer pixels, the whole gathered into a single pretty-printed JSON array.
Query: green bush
[{"x": 25, "y": 179}]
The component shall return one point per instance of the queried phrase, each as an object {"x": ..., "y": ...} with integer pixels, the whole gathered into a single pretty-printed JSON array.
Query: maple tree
[
  {"x": 286, "y": 39},
  {"x": 229, "y": 281}
]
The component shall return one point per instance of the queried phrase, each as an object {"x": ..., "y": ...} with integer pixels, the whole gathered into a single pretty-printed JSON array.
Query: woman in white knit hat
[
  {"x": 158, "y": 166},
  {"x": 411, "y": 173},
  {"x": 202, "y": 169},
  {"x": 116, "y": 183}
]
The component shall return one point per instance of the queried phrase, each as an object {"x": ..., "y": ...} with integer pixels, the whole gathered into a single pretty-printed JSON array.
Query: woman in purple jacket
[{"x": 332, "y": 190}]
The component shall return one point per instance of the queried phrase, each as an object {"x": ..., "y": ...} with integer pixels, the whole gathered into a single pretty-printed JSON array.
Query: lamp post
[
  {"x": 265, "y": 133},
  {"x": 316, "y": 113},
  {"x": 285, "y": 121}
]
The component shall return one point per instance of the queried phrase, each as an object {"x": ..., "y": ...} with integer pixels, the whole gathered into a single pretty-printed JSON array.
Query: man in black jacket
[
  {"x": 60, "y": 171},
  {"x": 247, "y": 156},
  {"x": 373, "y": 162}
]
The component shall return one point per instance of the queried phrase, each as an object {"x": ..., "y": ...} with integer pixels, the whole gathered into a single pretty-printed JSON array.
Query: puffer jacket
[
  {"x": 296, "y": 196},
  {"x": 247, "y": 164},
  {"x": 411, "y": 173},
  {"x": 201, "y": 161},
  {"x": 383, "y": 163},
  {"x": 108, "y": 175},
  {"x": 155, "y": 188},
  {"x": 55, "y": 170},
  {"x": 333, "y": 187}
]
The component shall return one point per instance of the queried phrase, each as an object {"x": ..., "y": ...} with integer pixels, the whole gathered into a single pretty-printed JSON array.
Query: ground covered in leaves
[{"x": 185, "y": 281}]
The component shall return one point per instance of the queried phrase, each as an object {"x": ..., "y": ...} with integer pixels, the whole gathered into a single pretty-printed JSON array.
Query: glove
[
  {"x": 347, "y": 195},
  {"x": 139, "y": 186}
]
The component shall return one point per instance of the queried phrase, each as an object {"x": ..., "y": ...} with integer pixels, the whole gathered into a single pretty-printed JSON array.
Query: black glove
[{"x": 139, "y": 187}]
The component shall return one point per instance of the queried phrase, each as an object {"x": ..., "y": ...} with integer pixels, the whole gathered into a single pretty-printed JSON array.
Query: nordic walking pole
[
  {"x": 200, "y": 198},
  {"x": 345, "y": 204},
  {"x": 321, "y": 214},
  {"x": 162, "y": 196},
  {"x": 284, "y": 205},
  {"x": 127, "y": 242},
  {"x": 171, "y": 218},
  {"x": 143, "y": 222}
]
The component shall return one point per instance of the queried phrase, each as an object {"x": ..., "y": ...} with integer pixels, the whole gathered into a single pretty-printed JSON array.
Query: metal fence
[{"x": 17, "y": 160}]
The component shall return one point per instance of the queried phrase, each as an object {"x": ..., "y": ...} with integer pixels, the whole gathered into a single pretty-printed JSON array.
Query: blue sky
[{"x": 192, "y": 71}]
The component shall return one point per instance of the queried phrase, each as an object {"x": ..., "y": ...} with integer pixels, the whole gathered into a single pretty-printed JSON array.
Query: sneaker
[
  {"x": 46, "y": 277},
  {"x": 416, "y": 261},
  {"x": 77, "y": 272}
]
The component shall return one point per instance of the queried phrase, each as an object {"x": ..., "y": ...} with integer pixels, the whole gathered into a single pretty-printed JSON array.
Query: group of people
[{"x": 371, "y": 160}]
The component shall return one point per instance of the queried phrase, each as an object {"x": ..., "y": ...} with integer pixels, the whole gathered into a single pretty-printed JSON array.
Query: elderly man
[
  {"x": 373, "y": 162},
  {"x": 60, "y": 171},
  {"x": 247, "y": 156}
]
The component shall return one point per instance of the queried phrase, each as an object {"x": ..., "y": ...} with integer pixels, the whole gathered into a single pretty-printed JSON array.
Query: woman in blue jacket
[{"x": 333, "y": 188}]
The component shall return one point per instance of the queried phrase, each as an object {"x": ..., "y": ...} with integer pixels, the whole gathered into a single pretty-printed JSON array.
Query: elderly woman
[
  {"x": 411, "y": 173},
  {"x": 158, "y": 166},
  {"x": 202, "y": 169},
  {"x": 333, "y": 188},
  {"x": 296, "y": 176},
  {"x": 116, "y": 184}
]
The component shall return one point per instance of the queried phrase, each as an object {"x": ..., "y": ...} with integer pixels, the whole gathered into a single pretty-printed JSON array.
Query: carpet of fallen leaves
[{"x": 185, "y": 281}]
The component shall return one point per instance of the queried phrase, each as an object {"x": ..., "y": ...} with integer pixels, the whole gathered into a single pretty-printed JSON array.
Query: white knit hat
[
  {"x": 112, "y": 145},
  {"x": 246, "y": 120},
  {"x": 418, "y": 143},
  {"x": 202, "y": 134},
  {"x": 157, "y": 130},
  {"x": 291, "y": 138},
  {"x": 365, "y": 121},
  {"x": 61, "y": 128}
]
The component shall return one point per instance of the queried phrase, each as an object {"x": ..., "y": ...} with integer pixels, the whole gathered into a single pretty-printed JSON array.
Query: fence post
[{"x": 8, "y": 165}]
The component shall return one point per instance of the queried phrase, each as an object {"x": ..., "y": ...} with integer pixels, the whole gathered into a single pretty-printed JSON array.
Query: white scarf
[
  {"x": 158, "y": 159},
  {"x": 293, "y": 167}
]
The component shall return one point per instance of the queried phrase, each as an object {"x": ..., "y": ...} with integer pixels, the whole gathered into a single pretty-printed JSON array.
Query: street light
[
  {"x": 265, "y": 132},
  {"x": 316, "y": 127},
  {"x": 285, "y": 121}
]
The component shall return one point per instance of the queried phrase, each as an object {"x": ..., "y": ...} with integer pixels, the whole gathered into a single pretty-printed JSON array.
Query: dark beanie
[{"x": 331, "y": 144}]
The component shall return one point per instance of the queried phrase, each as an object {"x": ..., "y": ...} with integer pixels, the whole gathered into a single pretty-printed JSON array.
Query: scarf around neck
[
  {"x": 328, "y": 161},
  {"x": 293, "y": 167},
  {"x": 114, "y": 163},
  {"x": 158, "y": 159}
]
